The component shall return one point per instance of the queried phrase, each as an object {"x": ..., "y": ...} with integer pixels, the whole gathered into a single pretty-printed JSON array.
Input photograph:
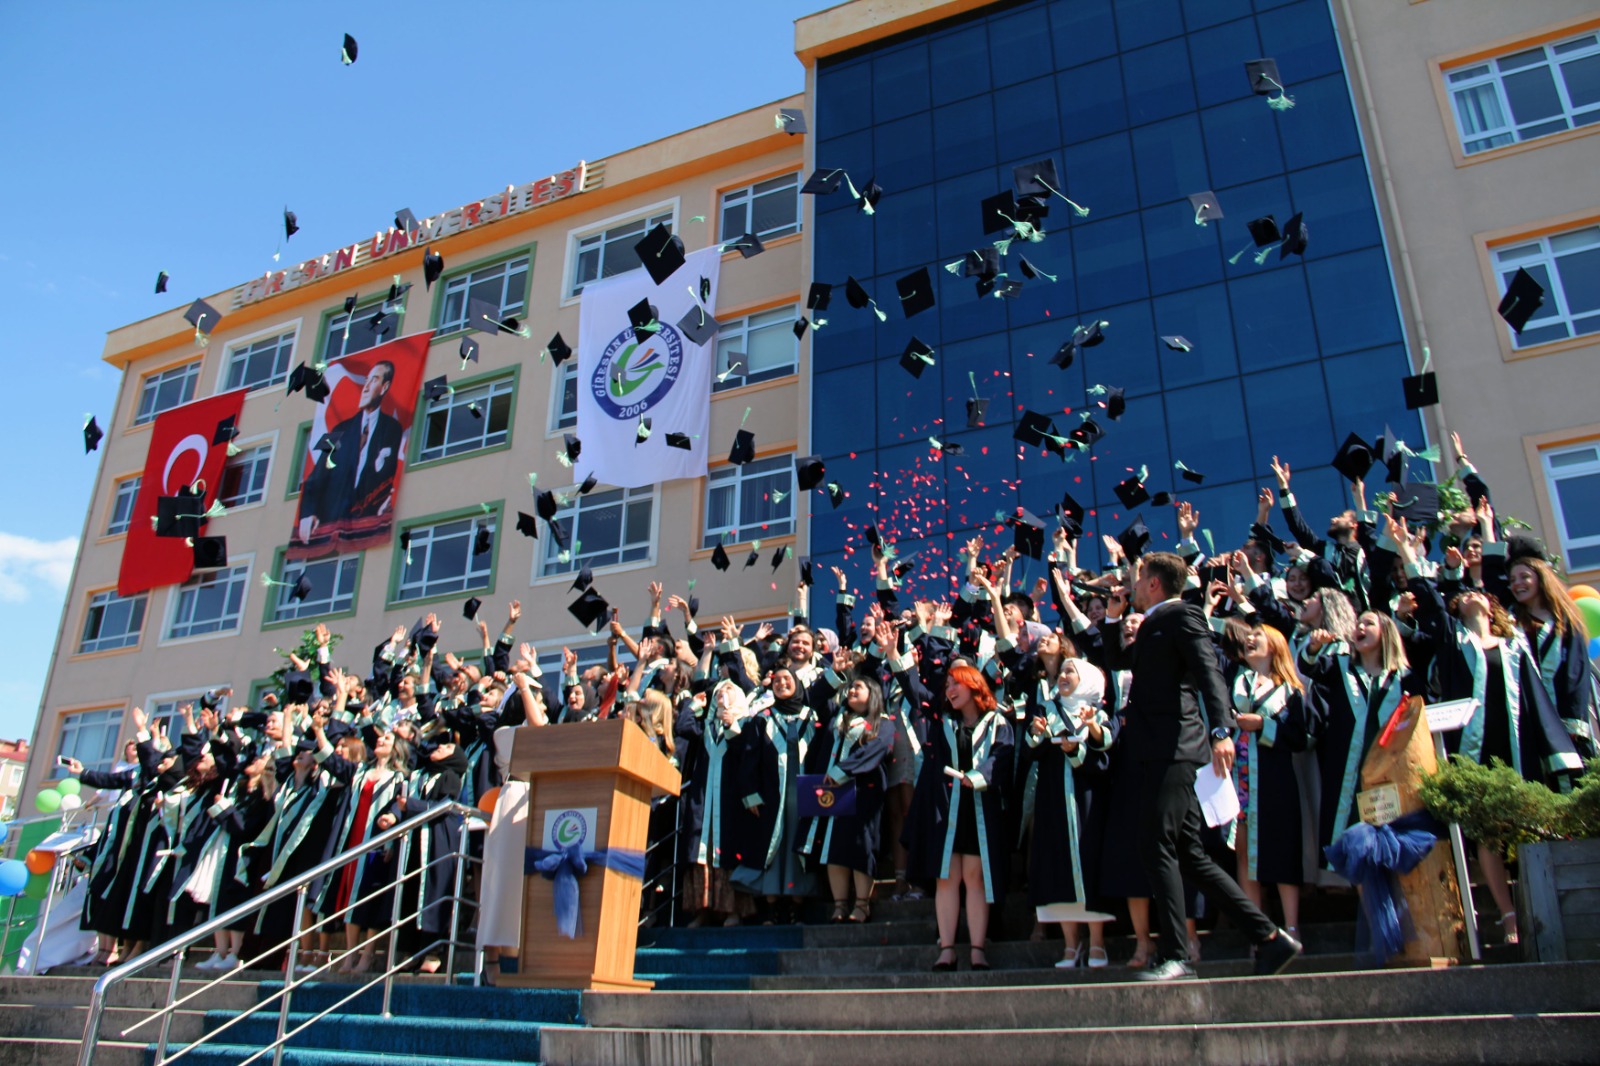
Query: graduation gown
[
  {"x": 433, "y": 783},
  {"x": 853, "y": 755},
  {"x": 1349, "y": 711},
  {"x": 772, "y": 750},
  {"x": 940, "y": 807},
  {"x": 709, "y": 800},
  {"x": 299, "y": 835},
  {"x": 1269, "y": 829},
  {"x": 375, "y": 870},
  {"x": 1060, "y": 868}
]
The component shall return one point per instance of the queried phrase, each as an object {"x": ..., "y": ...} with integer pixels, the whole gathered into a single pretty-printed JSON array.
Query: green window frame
[
  {"x": 305, "y": 621},
  {"x": 496, "y": 400},
  {"x": 441, "y": 288},
  {"x": 364, "y": 305},
  {"x": 492, "y": 511}
]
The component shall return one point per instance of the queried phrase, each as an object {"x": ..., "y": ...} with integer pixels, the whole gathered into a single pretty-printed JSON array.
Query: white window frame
[
  {"x": 284, "y": 609},
  {"x": 739, "y": 476},
  {"x": 16, "y": 777},
  {"x": 150, "y": 385},
  {"x": 109, "y": 598},
  {"x": 734, "y": 339},
  {"x": 235, "y": 575},
  {"x": 422, "y": 541},
  {"x": 163, "y": 706},
  {"x": 589, "y": 654},
  {"x": 456, "y": 405},
  {"x": 560, "y": 419},
  {"x": 1547, "y": 252},
  {"x": 259, "y": 450},
  {"x": 547, "y": 566},
  {"x": 74, "y": 723},
  {"x": 513, "y": 297},
  {"x": 581, "y": 240},
  {"x": 1555, "y": 471},
  {"x": 744, "y": 197},
  {"x": 283, "y": 337},
  {"x": 125, "y": 487},
  {"x": 1463, "y": 81}
]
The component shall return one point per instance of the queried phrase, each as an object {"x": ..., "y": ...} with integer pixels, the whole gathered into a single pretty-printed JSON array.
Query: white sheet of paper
[{"x": 1219, "y": 802}]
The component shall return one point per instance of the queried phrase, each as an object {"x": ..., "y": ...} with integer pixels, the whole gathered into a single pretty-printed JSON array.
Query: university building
[{"x": 1432, "y": 149}]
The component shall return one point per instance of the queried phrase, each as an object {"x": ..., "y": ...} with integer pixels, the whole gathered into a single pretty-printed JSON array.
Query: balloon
[
  {"x": 70, "y": 787},
  {"x": 13, "y": 877},
  {"x": 487, "y": 801},
  {"x": 37, "y": 887},
  {"x": 1594, "y": 653},
  {"x": 5, "y": 831},
  {"x": 48, "y": 801},
  {"x": 40, "y": 862},
  {"x": 71, "y": 803},
  {"x": 1590, "y": 609},
  {"x": 1582, "y": 592}
]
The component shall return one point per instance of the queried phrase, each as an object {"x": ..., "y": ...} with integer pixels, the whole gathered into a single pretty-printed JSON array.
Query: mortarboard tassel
[
  {"x": 1082, "y": 211},
  {"x": 1200, "y": 211},
  {"x": 1211, "y": 545},
  {"x": 724, "y": 375},
  {"x": 861, "y": 202},
  {"x": 697, "y": 218},
  {"x": 881, "y": 316},
  {"x": 955, "y": 268},
  {"x": 267, "y": 582},
  {"x": 1283, "y": 101}
]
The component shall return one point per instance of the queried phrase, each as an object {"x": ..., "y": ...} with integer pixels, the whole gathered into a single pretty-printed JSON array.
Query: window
[
  {"x": 244, "y": 477},
  {"x": 504, "y": 285},
  {"x": 590, "y": 655},
  {"x": 1573, "y": 475},
  {"x": 166, "y": 390},
  {"x": 442, "y": 561},
  {"x": 758, "y": 348},
  {"x": 260, "y": 363},
  {"x": 112, "y": 622},
  {"x": 603, "y": 529},
  {"x": 14, "y": 777},
  {"x": 164, "y": 709},
  {"x": 468, "y": 420},
  {"x": 297, "y": 460},
  {"x": 1568, "y": 266},
  {"x": 333, "y": 588},
  {"x": 610, "y": 252},
  {"x": 750, "y": 502},
  {"x": 565, "y": 398},
  {"x": 768, "y": 209},
  {"x": 122, "y": 505},
  {"x": 210, "y": 603},
  {"x": 339, "y": 341},
  {"x": 1529, "y": 94},
  {"x": 91, "y": 737}
]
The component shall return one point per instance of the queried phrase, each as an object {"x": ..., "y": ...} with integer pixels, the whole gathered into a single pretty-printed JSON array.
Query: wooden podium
[{"x": 595, "y": 779}]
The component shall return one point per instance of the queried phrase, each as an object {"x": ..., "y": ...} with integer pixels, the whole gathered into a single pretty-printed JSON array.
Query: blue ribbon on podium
[
  {"x": 564, "y": 866},
  {"x": 1370, "y": 856}
]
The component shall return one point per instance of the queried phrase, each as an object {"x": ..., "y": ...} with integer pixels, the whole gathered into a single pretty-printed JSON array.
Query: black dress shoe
[
  {"x": 1170, "y": 970},
  {"x": 1275, "y": 955}
]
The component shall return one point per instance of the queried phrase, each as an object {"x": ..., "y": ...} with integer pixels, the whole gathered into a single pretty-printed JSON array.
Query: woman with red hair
[{"x": 955, "y": 831}]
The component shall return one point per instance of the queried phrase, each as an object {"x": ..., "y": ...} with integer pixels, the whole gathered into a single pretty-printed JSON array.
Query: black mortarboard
[
  {"x": 719, "y": 558},
  {"x": 202, "y": 316},
  {"x": 999, "y": 212},
  {"x": 1387, "y": 449},
  {"x": 870, "y": 194},
  {"x": 557, "y": 534},
  {"x": 835, "y": 494},
  {"x": 1263, "y": 75},
  {"x": 1523, "y": 297},
  {"x": 805, "y": 572},
  {"x": 1071, "y": 508},
  {"x": 747, "y": 245},
  {"x": 302, "y": 587},
  {"x": 981, "y": 262},
  {"x": 872, "y": 535},
  {"x": 559, "y": 350},
  {"x": 475, "y": 410},
  {"x": 380, "y": 323},
  {"x": 483, "y": 541},
  {"x": 1295, "y": 237},
  {"x": 1206, "y": 206},
  {"x": 571, "y": 448},
  {"x": 469, "y": 610},
  {"x": 432, "y": 267},
  {"x": 977, "y": 407},
  {"x": 584, "y": 579},
  {"x": 679, "y": 440},
  {"x": 641, "y": 315},
  {"x": 1035, "y": 179},
  {"x": 227, "y": 431},
  {"x": 854, "y": 294},
  {"x": 1421, "y": 390},
  {"x": 1194, "y": 476},
  {"x": 316, "y": 385},
  {"x": 779, "y": 556},
  {"x": 1028, "y": 534},
  {"x": 1133, "y": 539},
  {"x": 641, "y": 432},
  {"x": 1419, "y": 504},
  {"x": 1087, "y": 336},
  {"x": 1264, "y": 230},
  {"x": 210, "y": 553},
  {"x": 1354, "y": 458},
  {"x": 799, "y": 328},
  {"x": 1032, "y": 427},
  {"x": 947, "y": 447},
  {"x": 661, "y": 252},
  {"x": 91, "y": 435},
  {"x": 1116, "y": 402},
  {"x": 1161, "y": 499},
  {"x": 1131, "y": 492},
  {"x": 823, "y": 181},
  {"x": 1088, "y": 433},
  {"x": 161, "y": 281},
  {"x": 744, "y": 448},
  {"x": 1066, "y": 354},
  {"x": 818, "y": 296},
  {"x": 808, "y": 472},
  {"x": 1007, "y": 289},
  {"x": 698, "y": 325},
  {"x": 753, "y": 558},
  {"x": 590, "y": 608},
  {"x": 347, "y": 50},
  {"x": 469, "y": 349},
  {"x": 178, "y": 516},
  {"x": 405, "y": 221},
  {"x": 1027, "y": 269},
  {"x": 483, "y": 315},
  {"x": 397, "y": 292},
  {"x": 588, "y": 484},
  {"x": 916, "y": 291},
  {"x": 1033, "y": 208},
  {"x": 350, "y": 305},
  {"x": 527, "y": 525},
  {"x": 916, "y": 358},
  {"x": 291, "y": 224},
  {"x": 436, "y": 389},
  {"x": 791, "y": 120},
  {"x": 1178, "y": 343},
  {"x": 546, "y": 504}
]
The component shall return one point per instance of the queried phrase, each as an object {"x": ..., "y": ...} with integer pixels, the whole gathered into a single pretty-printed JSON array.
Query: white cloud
[{"x": 27, "y": 564}]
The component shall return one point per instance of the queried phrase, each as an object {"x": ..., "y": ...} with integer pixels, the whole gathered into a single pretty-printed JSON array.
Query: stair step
[
  {"x": 63, "y": 1051},
  {"x": 505, "y": 1041},
  {"x": 439, "y": 1001},
  {"x": 63, "y": 1022},
  {"x": 233, "y": 1054},
  {"x": 708, "y": 961},
  {"x": 1040, "y": 975}
]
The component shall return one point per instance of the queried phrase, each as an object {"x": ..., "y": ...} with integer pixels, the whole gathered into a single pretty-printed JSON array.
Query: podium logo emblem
[{"x": 570, "y": 828}]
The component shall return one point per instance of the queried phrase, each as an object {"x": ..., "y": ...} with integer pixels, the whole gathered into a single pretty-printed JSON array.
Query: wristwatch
[{"x": 1220, "y": 733}]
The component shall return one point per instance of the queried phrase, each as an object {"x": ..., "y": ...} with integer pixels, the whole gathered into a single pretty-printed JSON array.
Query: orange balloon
[
  {"x": 487, "y": 801},
  {"x": 1583, "y": 592},
  {"x": 40, "y": 862}
]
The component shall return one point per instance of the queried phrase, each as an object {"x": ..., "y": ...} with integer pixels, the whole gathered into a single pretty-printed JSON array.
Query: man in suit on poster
[
  {"x": 365, "y": 450},
  {"x": 1175, "y": 670}
]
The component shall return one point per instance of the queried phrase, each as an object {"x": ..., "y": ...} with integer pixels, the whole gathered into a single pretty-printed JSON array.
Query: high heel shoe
[
  {"x": 980, "y": 949},
  {"x": 945, "y": 967}
]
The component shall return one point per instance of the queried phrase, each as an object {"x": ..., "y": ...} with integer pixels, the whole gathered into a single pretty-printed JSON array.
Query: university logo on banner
[
  {"x": 663, "y": 377},
  {"x": 183, "y": 455},
  {"x": 356, "y": 450}
]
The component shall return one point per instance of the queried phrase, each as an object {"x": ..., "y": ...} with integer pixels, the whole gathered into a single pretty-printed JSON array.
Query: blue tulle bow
[
  {"x": 1370, "y": 856},
  {"x": 564, "y": 866}
]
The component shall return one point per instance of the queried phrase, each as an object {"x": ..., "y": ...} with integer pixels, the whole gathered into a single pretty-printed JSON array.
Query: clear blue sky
[{"x": 170, "y": 136}]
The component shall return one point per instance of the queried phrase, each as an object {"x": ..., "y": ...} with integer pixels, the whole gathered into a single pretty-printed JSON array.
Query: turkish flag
[{"x": 181, "y": 454}]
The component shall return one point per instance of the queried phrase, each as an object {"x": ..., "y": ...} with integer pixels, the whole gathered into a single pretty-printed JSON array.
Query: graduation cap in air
[
  {"x": 588, "y": 484},
  {"x": 584, "y": 579},
  {"x": 291, "y": 224},
  {"x": 1295, "y": 237},
  {"x": 1133, "y": 539},
  {"x": 571, "y": 448},
  {"x": 818, "y": 296},
  {"x": 202, "y": 316},
  {"x": 808, "y": 472},
  {"x": 92, "y": 435},
  {"x": 754, "y": 557},
  {"x": 1387, "y": 448},
  {"x": 661, "y": 253},
  {"x": 1035, "y": 179},
  {"x": 1264, "y": 230},
  {"x": 1178, "y": 343},
  {"x": 977, "y": 408},
  {"x": 437, "y": 388},
  {"x": 1028, "y": 533},
  {"x": 484, "y": 315},
  {"x": 560, "y": 351},
  {"x": 916, "y": 292},
  {"x": 527, "y": 525},
  {"x": 161, "y": 281},
  {"x": 179, "y": 516},
  {"x": 916, "y": 358},
  {"x": 805, "y": 572},
  {"x": 1071, "y": 513},
  {"x": 643, "y": 316},
  {"x": 1524, "y": 295},
  {"x": 380, "y": 324},
  {"x": 469, "y": 349},
  {"x": 1419, "y": 504},
  {"x": 946, "y": 447},
  {"x": 790, "y": 120},
  {"x": 855, "y": 295},
  {"x": 719, "y": 557},
  {"x": 432, "y": 267},
  {"x": 590, "y": 608},
  {"x": 747, "y": 245},
  {"x": 836, "y": 494},
  {"x": 872, "y": 536},
  {"x": 1116, "y": 402},
  {"x": 1354, "y": 458},
  {"x": 999, "y": 212},
  {"x": 744, "y": 448},
  {"x": 779, "y": 556},
  {"x": 483, "y": 541},
  {"x": 1088, "y": 433},
  {"x": 547, "y": 505},
  {"x": 698, "y": 325},
  {"x": 302, "y": 587},
  {"x": 1131, "y": 492},
  {"x": 1264, "y": 77},
  {"x": 981, "y": 262},
  {"x": 1030, "y": 271},
  {"x": 210, "y": 553},
  {"x": 397, "y": 292},
  {"x": 799, "y": 328},
  {"x": 641, "y": 432},
  {"x": 871, "y": 193},
  {"x": 1192, "y": 476},
  {"x": 347, "y": 50},
  {"x": 1206, "y": 206},
  {"x": 679, "y": 440},
  {"x": 1422, "y": 390},
  {"x": 469, "y": 610},
  {"x": 405, "y": 221},
  {"x": 1033, "y": 427},
  {"x": 227, "y": 431},
  {"x": 823, "y": 181}
]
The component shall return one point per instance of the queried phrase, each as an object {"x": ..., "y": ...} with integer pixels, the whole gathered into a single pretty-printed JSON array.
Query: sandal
[
  {"x": 840, "y": 908},
  {"x": 1098, "y": 959},
  {"x": 862, "y": 908},
  {"x": 980, "y": 950},
  {"x": 1508, "y": 928},
  {"x": 942, "y": 966},
  {"x": 1140, "y": 960}
]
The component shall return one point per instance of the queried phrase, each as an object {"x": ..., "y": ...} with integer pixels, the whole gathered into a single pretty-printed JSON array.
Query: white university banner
[{"x": 665, "y": 378}]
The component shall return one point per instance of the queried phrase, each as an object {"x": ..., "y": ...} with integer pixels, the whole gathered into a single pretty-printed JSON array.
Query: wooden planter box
[{"x": 1558, "y": 900}]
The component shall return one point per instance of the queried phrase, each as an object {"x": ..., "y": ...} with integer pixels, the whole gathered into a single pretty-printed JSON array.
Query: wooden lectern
[{"x": 604, "y": 772}]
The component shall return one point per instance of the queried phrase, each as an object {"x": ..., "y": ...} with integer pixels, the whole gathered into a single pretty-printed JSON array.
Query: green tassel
[
  {"x": 233, "y": 449},
  {"x": 697, "y": 218},
  {"x": 1096, "y": 391},
  {"x": 1211, "y": 545},
  {"x": 955, "y": 268},
  {"x": 755, "y": 545},
  {"x": 745, "y": 419},
  {"x": 779, "y": 497},
  {"x": 533, "y": 482}
]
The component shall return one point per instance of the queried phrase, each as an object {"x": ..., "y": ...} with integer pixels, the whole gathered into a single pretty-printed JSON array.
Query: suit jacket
[
  {"x": 1175, "y": 670},
  {"x": 355, "y": 488}
]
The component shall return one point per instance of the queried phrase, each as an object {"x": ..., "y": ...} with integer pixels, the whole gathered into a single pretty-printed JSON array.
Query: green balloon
[
  {"x": 38, "y": 885},
  {"x": 1590, "y": 609},
  {"x": 70, "y": 787},
  {"x": 48, "y": 801}
]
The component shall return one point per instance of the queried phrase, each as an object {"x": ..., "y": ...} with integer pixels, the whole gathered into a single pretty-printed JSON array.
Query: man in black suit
[
  {"x": 1175, "y": 670},
  {"x": 365, "y": 453}
]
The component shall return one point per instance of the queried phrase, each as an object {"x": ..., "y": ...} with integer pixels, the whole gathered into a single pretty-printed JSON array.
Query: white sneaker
[
  {"x": 213, "y": 963},
  {"x": 228, "y": 962}
]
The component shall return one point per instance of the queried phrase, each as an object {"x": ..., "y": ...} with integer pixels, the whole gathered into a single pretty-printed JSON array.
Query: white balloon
[{"x": 71, "y": 803}]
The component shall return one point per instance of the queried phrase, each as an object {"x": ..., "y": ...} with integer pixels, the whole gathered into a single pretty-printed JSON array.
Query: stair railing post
[
  {"x": 394, "y": 924},
  {"x": 455, "y": 903},
  {"x": 172, "y": 995},
  {"x": 289, "y": 962}
]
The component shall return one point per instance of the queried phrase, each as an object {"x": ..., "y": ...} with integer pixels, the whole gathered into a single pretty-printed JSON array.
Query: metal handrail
[
  {"x": 667, "y": 875},
  {"x": 298, "y": 886},
  {"x": 60, "y": 882}
]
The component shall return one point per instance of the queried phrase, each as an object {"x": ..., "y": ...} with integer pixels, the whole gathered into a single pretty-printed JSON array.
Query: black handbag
[{"x": 819, "y": 797}]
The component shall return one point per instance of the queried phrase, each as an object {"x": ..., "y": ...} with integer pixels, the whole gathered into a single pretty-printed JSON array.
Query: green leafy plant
[
  {"x": 1494, "y": 805},
  {"x": 306, "y": 649}
]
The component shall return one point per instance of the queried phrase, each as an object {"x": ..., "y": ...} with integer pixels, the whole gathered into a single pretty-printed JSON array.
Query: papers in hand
[{"x": 1219, "y": 802}]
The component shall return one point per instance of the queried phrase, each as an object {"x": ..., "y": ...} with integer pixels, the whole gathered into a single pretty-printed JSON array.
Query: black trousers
[{"x": 1171, "y": 848}]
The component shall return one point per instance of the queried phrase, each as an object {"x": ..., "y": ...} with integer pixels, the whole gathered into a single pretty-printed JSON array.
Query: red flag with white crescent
[{"x": 181, "y": 455}]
